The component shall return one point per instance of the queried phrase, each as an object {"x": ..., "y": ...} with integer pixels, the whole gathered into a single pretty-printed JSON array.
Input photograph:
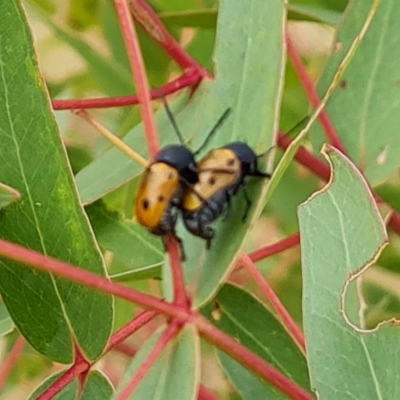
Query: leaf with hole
[{"x": 342, "y": 233}]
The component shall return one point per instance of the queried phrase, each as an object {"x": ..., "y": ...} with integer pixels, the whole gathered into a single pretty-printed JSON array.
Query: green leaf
[
  {"x": 246, "y": 319},
  {"x": 50, "y": 312},
  {"x": 140, "y": 252},
  {"x": 6, "y": 323},
  {"x": 175, "y": 375},
  {"x": 248, "y": 385},
  {"x": 8, "y": 195},
  {"x": 97, "y": 386},
  {"x": 293, "y": 189},
  {"x": 342, "y": 233},
  {"x": 248, "y": 63},
  {"x": 365, "y": 108},
  {"x": 201, "y": 47}
]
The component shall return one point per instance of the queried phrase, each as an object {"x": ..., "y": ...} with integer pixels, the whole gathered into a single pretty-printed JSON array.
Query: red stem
[
  {"x": 250, "y": 360},
  {"x": 180, "y": 296},
  {"x": 275, "y": 248},
  {"x": 142, "y": 85},
  {"x": 309, "y": 87},
  {"x": 274, "y": 300},
  {"x": 43, "y": 263},
  {"x": 7, "y": 366},
  {"x": 394, "y": 222},
  {"x": 126, "y": 349},
  {"x": 80, "y": 366},
  {"x": 190, "y": 78},
  {"x": 205, "y": 394},
  {"x": 130, "y": 328},
  {"x": 140, "y": 77},
  {"x": 153, "y": 26},
  {"x": 171, "y": 331},
  {"x": 220, "y": 339}
]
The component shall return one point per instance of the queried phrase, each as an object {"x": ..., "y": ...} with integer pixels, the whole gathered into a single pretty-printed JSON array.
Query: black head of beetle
[
  {"x": 180, "y": 158},
  {"x": 247, "y": 157}
]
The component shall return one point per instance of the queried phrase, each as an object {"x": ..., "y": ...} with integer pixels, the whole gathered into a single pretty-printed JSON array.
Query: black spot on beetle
[{"x": 146, "y": 204}]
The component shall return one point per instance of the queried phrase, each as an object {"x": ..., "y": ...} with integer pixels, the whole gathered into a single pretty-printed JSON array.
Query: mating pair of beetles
[{"x": 201, "y": 191}]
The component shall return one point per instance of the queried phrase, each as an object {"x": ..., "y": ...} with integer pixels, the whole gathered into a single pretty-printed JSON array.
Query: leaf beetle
[{"x": 221, "y": 173}]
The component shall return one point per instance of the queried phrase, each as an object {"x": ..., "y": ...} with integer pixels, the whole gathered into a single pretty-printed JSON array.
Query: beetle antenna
[
  {"x": 172, "y": 118},
  {"x": 221, "y": 119},
  {"x": 190, "y": 187},
  {"x": 289, "y": 133}
]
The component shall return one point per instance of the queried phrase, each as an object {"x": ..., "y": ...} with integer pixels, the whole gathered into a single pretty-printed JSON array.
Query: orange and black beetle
[
  {"x": 221, "y": 174},
  {"x": 160, "y": 195}
]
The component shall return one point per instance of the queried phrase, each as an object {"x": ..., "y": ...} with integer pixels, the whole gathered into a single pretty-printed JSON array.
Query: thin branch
[
  {"x": 188, "y": 79},
  {"x": 309, "y": 87},
  {"x": 153, "y": 26},
  {"x": 171, "y": 331},
  {"x": 62, "y": 269},
  {"x": 274, "y": 300},
  {"x": 12, "y": 358},
  {"x": 334, "y": 83},
  {"x": 275, "y": 248},
  {"x": 394, "y": 222},
  {"x": 140, "y": 76},
  {"x": 206, "y": 394},
  {"x": 142, "y": 85},
  {"x": 180, "y": 296},
  {"x": 80, "y": 366},
  {"x": 115, "y": 140},
  {"x": 250, "y": 360},
  {"x": 126, "y": 349},
  {"x": 130, "y": 328}
]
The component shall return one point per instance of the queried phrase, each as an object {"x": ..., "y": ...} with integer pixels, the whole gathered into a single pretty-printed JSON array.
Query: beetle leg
[
  {"x": 180, "y": 244},
  {"x": 181, "y": 248}
]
